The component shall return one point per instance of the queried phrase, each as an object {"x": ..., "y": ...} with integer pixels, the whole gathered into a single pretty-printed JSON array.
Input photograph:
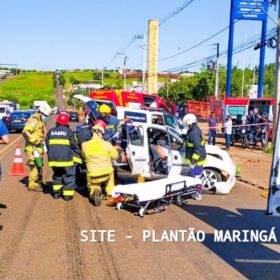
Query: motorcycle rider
[
  {"x": 34, "y": 133},
  {"x": 62, "y": 151},
  {"x": 195, "y": 150},
  {"x": 111, "y": 121},
  {"x": 98, "y": 155}
]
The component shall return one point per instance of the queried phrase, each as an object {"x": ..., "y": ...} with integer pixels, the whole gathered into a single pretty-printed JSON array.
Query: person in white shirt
[{"x": 228, "y": 131}]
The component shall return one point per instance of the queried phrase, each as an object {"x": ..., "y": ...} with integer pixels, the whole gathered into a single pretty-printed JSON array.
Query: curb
[{"x": 246, "y": 181}]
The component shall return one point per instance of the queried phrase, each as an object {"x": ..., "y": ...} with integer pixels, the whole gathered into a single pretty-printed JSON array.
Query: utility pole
[
  {"x": 243, "y": 78},
  {"x": 102, "y": 77},
  {"x": 277, "y": 79},
  {"x": 143, "y": 62},
  {"x": 217, "y": 70},
  {"x": 124, "y": 69},
  {"x": 124, "y": 72}
]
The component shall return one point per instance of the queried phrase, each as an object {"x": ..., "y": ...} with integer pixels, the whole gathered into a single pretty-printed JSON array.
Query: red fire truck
[{"x": 130, "y": 99}]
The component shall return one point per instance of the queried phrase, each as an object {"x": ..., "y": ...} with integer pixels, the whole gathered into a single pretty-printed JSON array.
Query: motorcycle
[
  {"x": 261, "y": 135},
  {"x": 239, "y": 135}
]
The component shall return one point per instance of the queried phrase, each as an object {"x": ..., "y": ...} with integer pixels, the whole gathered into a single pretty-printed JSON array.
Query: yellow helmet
[{"x": 104, "y": 109}]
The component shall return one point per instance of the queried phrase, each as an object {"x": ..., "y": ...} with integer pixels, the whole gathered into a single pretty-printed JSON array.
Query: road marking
[
  {"x": 257, "y": 261},
  {"x": 10, "y": 144},
  {"x": 128, "y": 237},
  {"x": 9, "y": 148}
]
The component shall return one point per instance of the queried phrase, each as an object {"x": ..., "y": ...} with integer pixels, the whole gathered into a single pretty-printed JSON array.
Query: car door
[
  {"x": 177, "y": 148},
  {"x": 137, "y": 153}
]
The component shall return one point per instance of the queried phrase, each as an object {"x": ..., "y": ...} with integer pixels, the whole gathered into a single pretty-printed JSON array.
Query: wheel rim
[{"x": 209, "y": 179}]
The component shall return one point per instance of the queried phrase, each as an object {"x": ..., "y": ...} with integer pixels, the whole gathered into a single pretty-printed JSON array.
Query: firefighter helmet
[
  {"x": 99, "y": 125},
  {"x": 63, "y": 119},
  {"x": 45, "y": 109},
  {"x": 104, "y": 109},
  {"x": 189, "y": 119}
]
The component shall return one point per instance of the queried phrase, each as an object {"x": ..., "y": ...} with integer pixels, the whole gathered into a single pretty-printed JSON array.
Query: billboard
[{"x": 250, "y": 10}]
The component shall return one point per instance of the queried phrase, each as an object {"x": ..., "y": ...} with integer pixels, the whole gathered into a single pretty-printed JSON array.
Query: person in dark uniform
[
  {"x": 62, "y": 151},
  {"x": 195, "y": 151}
]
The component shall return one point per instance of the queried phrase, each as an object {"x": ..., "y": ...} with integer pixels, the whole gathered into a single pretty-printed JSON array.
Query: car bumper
[{"x": 15, "y": 126}]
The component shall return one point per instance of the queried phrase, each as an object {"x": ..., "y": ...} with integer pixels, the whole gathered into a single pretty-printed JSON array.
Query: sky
[{"x": 86, "y": 34}]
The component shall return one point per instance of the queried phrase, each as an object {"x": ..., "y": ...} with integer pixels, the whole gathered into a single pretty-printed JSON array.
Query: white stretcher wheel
[
  {"x": 179, "y": 201},
  {"x": 119, "y": 206},
  {"x": 141, "y": 212}
]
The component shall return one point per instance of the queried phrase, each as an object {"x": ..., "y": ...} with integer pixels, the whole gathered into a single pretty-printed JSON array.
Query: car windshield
[
  {"x": 235, "y": 110},
  {"x": 170, "y": 121},
  {"x": 24, "y": 115}
]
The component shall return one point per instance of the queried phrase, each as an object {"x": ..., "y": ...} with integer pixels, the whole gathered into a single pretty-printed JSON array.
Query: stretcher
[{"x": 155, "y": 195}]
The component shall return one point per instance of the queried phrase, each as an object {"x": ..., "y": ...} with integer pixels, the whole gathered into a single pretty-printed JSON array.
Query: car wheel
[{"x": 209, "y": 178}]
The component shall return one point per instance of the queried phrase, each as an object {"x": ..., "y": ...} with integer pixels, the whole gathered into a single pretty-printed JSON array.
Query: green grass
[
  {"x": 269, "y": 150},
  {"x": 78, "y": 75},
  {"x": 110, "y": 78},
  {"x": 27, "y": 87}
]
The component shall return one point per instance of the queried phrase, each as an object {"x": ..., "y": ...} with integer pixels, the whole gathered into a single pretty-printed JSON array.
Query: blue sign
[
  {"x": 137, "y": 117},
  {"x": 250, "y": 9}
]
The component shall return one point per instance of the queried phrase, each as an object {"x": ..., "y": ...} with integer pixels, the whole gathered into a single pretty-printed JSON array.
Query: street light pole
[{"x": 217, "y": 70}]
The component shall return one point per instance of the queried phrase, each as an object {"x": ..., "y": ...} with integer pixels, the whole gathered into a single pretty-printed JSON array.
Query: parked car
[
  {"x": 17, "y": 119},
  {"x": 74, "y": 116}
]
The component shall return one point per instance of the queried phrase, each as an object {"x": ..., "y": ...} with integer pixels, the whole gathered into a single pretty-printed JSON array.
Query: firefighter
[
  {"x": 195, "y": 150},
  {"x": 111, "y": 121},
  {"x": 34, "y": 133},
  {"x": 63, "y": 151},
  {"x": 98, "y": 155}
]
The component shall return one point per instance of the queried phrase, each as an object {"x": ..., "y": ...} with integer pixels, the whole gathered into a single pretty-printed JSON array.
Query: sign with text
[{"x": 251, "y": 9}]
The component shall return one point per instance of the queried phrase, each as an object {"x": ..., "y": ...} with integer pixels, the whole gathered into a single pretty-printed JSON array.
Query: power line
[
  {"x": 162, "y": 21},
  {"x": 207, "y": 39},
  {"x": 238, "y": 49}
]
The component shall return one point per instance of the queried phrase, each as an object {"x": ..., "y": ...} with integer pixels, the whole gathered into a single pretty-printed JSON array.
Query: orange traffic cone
[{"x": 18, "y": 167}]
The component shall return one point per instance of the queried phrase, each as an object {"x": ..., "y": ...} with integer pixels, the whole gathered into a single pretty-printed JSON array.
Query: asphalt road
[{"x": 41, "y": 238}]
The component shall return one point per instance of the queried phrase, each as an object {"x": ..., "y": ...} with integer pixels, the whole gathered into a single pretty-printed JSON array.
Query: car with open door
[{"x": 142, "y": 159}]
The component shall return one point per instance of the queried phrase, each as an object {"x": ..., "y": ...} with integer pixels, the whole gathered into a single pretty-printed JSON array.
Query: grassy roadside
[{"x": 26, "y": 87}]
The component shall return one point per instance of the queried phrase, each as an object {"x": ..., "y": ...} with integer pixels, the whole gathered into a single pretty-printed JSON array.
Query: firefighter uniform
[
  {"x": 83, "y": 134},
  {"x": 98, "y": 155},
  {"x": 195, "y": 151},
  {"x": 63, "y": 151},
  {"x": 111, "y": 127},
  {"x": 34, "y": 132}
]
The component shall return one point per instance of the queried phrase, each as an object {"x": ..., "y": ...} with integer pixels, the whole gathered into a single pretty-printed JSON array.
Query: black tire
[
  {"x": 244, "y": 143},
  {"x": 264, "y": 143},
  {"x": 212, "y": 177}
]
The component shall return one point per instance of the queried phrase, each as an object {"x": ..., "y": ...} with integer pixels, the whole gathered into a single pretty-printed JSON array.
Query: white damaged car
[{"x": 138, "y": 145}]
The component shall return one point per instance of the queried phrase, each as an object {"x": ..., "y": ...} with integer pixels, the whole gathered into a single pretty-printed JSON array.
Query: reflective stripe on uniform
[
  {"x": 57, "y": 187},
  {"x": 190, "y": 144},
  {"x": 195, "y": 156},
  {"x": 68, "y": 192},
  {"x": 187, "y": 161},
  {"x": 59, "y": 142},
  {"x": 201, "y": 162},
  {"x": 110, "y": 126},
  {"x": 77, "y": 159},
  {"x": 60, "y": 163}
]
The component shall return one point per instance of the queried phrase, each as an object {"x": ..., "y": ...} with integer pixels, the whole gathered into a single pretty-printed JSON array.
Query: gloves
[{"x": 192, "y": 166}]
